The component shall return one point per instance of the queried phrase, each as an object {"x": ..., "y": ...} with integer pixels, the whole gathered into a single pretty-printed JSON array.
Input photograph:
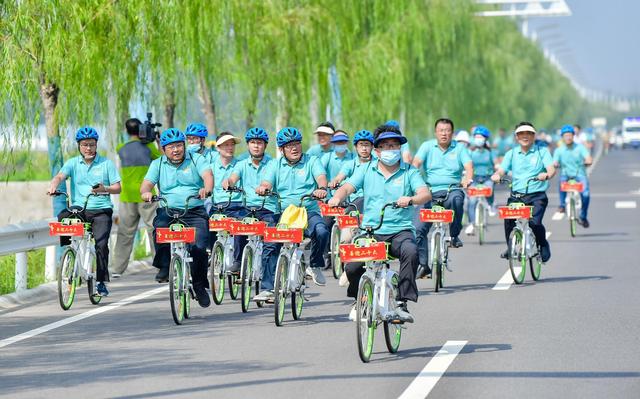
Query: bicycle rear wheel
[
  {"x": 246, "y": 275},
  {"x": 67, "y": 278},
  {"x": 94, "y": 298},
  {"x": 436, "y": 262},
  {"x": 365, "y": 324},
  {"x": 535, "y": 264},
  {"x": 297, "y": 299},
  {"x": 517, "y": 258},
  {"x": 187, "y": 292},
  {"x": 217, "y": 279},
  {"x": 176, "y": 297},
  {"x": 393, "y": 331},
  {"x": 572, "y": 217},
  {"x": 280, "y": 288},
  {"x": 257, "y": 289},
  {"x": 480, "y": 222},
  {"x": 234, "y": 285},
  {"x": 336, "y": 263}
]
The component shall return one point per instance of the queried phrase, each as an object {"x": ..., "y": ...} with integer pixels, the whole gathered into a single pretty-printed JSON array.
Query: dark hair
[
  {"x": 225, "y": 133},
  {"x": 524, "y": 123},
  {"x": 577, "y": 126},
  {"x": 444, "y": 120},
  {"x": 328, "y": 124},
  {"x": 133, "y": 126},
  {"x": 385, "y": 128}
]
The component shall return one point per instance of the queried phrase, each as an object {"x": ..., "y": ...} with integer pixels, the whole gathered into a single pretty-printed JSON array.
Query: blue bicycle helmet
[
  {"x": 482, "y": 130},
  {"x": 393, "y": 123},
  {"x": 171, "y": 135},
  {"x": 86, "y": 132},
  {"x": 287, "y": 135},
  {"x": 256, "y": 133},
  {"x": 567, "y": 129},
  {"x": 196, "y": 129},
  {"x": 363, "y": 135}
]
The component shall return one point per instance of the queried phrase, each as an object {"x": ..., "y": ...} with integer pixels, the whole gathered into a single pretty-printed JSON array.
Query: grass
[
  {"x": 35, "y": 271},
  {"x": 24, "y": 166}
]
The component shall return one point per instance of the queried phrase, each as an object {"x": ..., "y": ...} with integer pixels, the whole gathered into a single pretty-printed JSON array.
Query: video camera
[{"x": 147, "y": 130}]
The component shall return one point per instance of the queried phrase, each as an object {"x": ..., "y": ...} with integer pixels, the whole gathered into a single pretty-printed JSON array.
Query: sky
[{"x": 599, "y": 44}]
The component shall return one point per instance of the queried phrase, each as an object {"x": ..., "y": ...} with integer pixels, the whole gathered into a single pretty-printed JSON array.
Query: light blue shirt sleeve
[
  {"x": 584, "y": 152},
  {"x": 406, "y": 148},
  {"x": 546, "y": 157},
  {"x": 270, "y": 172},
  {"x": 112, "y": 173},
  {"x": 422, "y": 152},
  {"x": 357, "y": 178},
  {"x": 465, "y": 157},
  {"x": 556, "y": 155},
  {"x": 152, "y": 173},
  {"x": 506, "y": 161},
  {"x": 317, "y": 169},
  {"x": 67, "y": 168},
  {"x": 237, "y": 170},
  {"x": 347, "y": 168},
  {"x": 415, "y": 180},
  {"x": 201, "y": 165}
]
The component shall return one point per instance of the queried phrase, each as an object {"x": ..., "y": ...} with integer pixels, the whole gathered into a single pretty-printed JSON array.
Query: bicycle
[
  {"x": 377, "y": 290},
  {"x": 334, "y": 243},
  {"x": 439, "y": 241},
  {"x": 573, "y": 201},
  {"x": 251, "y": 266},
  {"x": 290, "y": 268},
  {"x": 522, "y": 246},
  {"x": 221, "y": 257},
  {"x": 178, "y": 236},
  {"x": 78, "y": 261},
  {"x": 481, "y": 192}
]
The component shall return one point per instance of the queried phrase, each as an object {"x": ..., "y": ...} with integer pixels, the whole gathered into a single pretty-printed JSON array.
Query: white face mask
[
  {"x": 340, "y": 149},
  {"x": 479, "y": 141},
  {"x": 390, "y": 157}
]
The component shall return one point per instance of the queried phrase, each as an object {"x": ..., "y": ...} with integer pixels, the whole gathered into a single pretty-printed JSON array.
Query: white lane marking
[
  {"x": 548, "y": 234},
  {"x": 557, "y": 216},
  {"x": 78, "y": 317},
  {"x": 504, "y": 283},
  {"x": 626, "y": 204},
  {"x": 431, "y": 373},
  {"x": 635, "y": 174}
]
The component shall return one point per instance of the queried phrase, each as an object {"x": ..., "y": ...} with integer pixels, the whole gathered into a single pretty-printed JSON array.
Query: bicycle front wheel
[
  {"x": 535, "y": 264},
  {"x": 365, "y": 323},
  {"x": 436, "y": 262},
  {"x": 94, "y": 298},
  {"x": 517, "y": 256},
  {"x": 176, "y": 296},
  {"x": 480, "y": 222},
  {"x": 187, "y": 291},
  {"x": 297, "y": 299},
  {"x": 572, "y": 217},
  {"x": 246, "y": 275},
  {"x": 67, "y": 278},
  {"x": 234, "y": 285},
  {"x": 392, "y": 331},
  {"x": 280, "y": 288},
  {"x": 336, "y": 263},
  {"x": 217, "y": 279}
]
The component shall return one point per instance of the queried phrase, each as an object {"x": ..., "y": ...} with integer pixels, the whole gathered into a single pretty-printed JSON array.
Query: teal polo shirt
[
  {"x": 250, "y": 177},
  {"x": 571, "y": 159},
  {"x": 291, "y": 182},
  {"x": 221, "y": 173},
  {"x": 379, "y": 191},
  {"x": 443, "y": 168},
  {"x": 316, "y": 150},
  {"x": 177, "y": 182},
  {"x": 349, "y": 168},
  {"x": 333, "y": 164},
  {"x": 84, "y": 176},
  {"x": 526, "y": 166},
  {"x": 482, "y": 159}
]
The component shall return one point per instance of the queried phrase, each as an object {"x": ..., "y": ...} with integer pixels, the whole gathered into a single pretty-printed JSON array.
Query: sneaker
[
  {"x": 403, "y": 313},
  {"x": 560, "y": 209},
  {"x": 265, "y": 295},
  {"x": 492, "y": 211},
  {"x": 423, "y": 271},
  {"x": 317, "y": 276},
  {"x": 353, "y": 312},
  {"x": 469, "y": 230},
  {"x": 202, "y": 296},
  {"x": 344, "y": 280},
  {"x": 585, "y": 223},
  {"x": 163, "y": 276},
  {"x": 101, "y": 288},
  {"x": 545, "y": 253},
  {"x": 505, "y": 254},
  {"x": 456, "y": 242}
]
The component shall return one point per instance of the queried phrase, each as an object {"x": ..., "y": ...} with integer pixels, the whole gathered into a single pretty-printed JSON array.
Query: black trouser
[
  {"x": 101, "y": 222},
  {"x": 402, "y": 246},
  {"x": 539, "y": 201},
  {"x": 197, "y": 218}
]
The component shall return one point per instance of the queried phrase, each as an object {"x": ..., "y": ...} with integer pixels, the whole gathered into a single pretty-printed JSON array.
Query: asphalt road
[{"x": 572, "y": 334}]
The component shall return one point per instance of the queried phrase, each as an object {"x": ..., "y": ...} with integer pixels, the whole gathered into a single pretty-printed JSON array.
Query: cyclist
[
  {"x": 385, "y": 180},
  {"x": 197, "y": 134},
  {"x": 292, "y": 176},
  {"x": 527, "y": 161},
  {"x": 222, "y": 166},
  {"x": 334, "y": 161},
  {"x": 463, "y": 138},
  {"x": 178, "y": 175},
  {"x": 442, "y": 160},
  {"x": 483, "y": 167},
  {"x": 91, "y": 173},
  {"x": 572, "y": 158},
  {"x": 323, "y": 132},
  {"x": 248, "y": 173}
]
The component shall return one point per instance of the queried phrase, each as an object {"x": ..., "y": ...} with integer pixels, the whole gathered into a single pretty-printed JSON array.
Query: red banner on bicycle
[
  {"x": 443, "y": 216},
  {"x": 326, "y": 210},
  {"x": 479, "y": 191},
  {"x": 66, "y": 230},
  {"x": 220, "y": 224},
  {"x": 520, "y": 212},
  {"x": 372, "y": 252},
  {"x": 347, "y": 221},
  {"x": 274, "y": 234},
  {"x": 571, "y": 186},
  {"x": 165, "y": 235},
  {"x": 239, "y": 228}
]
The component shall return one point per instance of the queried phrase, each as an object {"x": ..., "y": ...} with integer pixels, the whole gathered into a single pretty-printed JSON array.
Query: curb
[{"x": 49, "y": 290}]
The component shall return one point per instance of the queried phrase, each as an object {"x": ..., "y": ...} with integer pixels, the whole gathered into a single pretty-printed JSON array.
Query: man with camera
[{"x": 135, "y": 157}]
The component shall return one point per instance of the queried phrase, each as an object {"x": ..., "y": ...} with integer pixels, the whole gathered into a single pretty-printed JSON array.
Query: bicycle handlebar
[
  {"x": 311, "y": 196},
  {"x": 165, "y": 204},
  {"x": 86, "y": 201}
]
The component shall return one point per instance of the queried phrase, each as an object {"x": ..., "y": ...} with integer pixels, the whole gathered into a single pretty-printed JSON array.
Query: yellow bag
[{"x": 294, "y": 217}]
